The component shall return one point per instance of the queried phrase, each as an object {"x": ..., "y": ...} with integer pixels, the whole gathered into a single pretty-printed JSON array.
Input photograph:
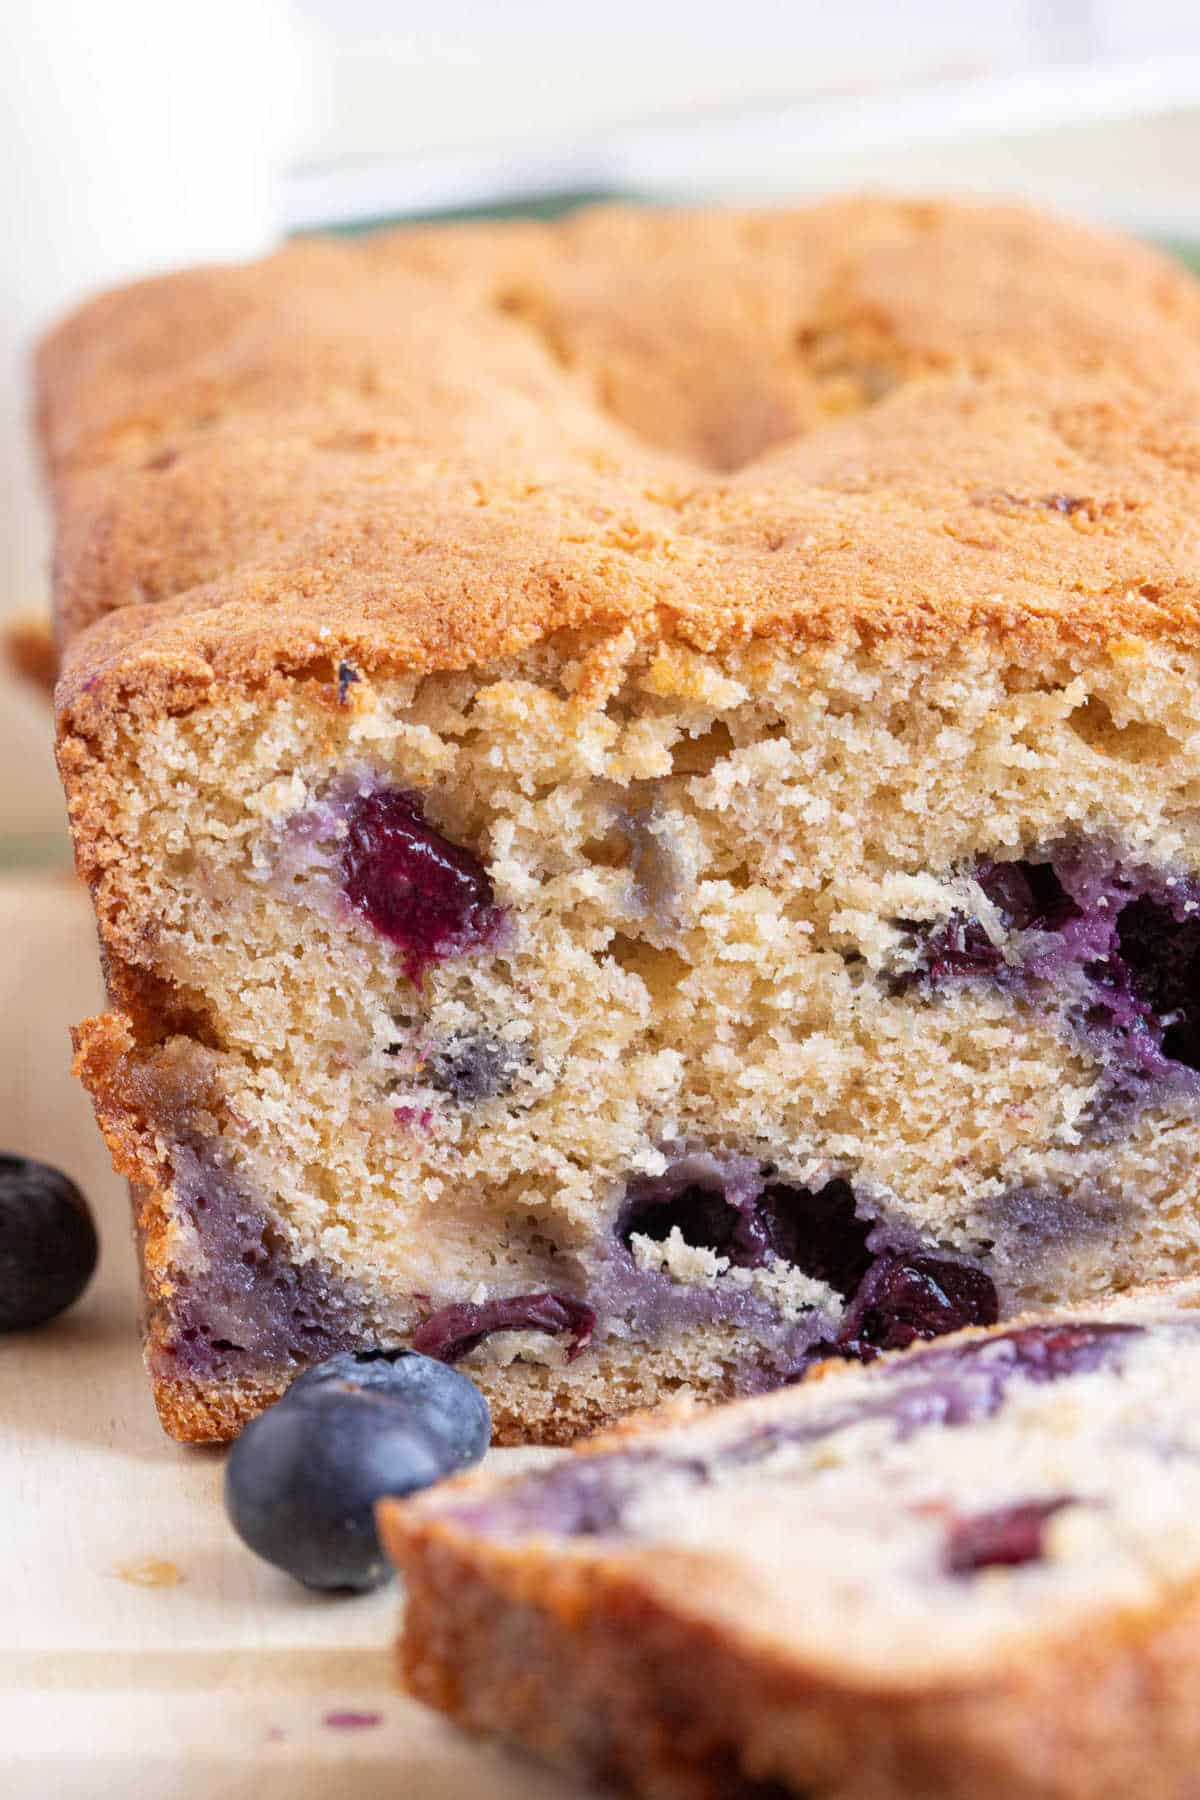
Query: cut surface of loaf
[
  {"x": 639, "y": 784},
  {"x": 969, "y": 1569}
]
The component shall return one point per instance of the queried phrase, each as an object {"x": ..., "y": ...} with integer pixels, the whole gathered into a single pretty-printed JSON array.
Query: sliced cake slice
[
  {"x": 619, "y": 920},
  {"x": 971, "y": 1569}
]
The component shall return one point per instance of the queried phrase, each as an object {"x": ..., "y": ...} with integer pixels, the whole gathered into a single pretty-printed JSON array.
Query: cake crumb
[{"x": 150, "y": 1572}]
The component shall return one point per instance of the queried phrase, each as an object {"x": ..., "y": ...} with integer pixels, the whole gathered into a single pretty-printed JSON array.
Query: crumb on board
[{"x": 150, "y": 1572}]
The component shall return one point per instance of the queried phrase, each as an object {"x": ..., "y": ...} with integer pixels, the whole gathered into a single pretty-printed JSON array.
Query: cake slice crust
[{"x": 667, "y": 1610}]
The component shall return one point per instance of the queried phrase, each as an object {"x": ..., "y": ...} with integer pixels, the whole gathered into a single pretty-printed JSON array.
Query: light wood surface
[{"x": 143, "y": 1651}]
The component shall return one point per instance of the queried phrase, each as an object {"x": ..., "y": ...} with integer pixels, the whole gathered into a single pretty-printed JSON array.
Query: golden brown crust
[
  {"x": 209, "y": 1412},
  {"x": 213, "y": 1412},
  {"x": 437, "y": 448}
]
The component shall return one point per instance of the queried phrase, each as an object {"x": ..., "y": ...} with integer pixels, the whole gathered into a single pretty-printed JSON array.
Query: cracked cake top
[{"x": 433, "y": 448}]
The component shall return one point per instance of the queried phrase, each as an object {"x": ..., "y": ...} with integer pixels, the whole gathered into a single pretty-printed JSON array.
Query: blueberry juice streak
[
  {"x": 895, "y": 1293},
  {"x": 895, "y": 1290},
  {"x": 248, "y": 1306},
  {"x": 944, "y": 1388},
  {"x": 1120, "y": 947}
]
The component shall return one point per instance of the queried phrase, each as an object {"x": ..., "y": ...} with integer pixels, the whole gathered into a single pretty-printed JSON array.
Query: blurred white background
[
  {"x": 405, "y": 75},
  {"x": 765, "y": 97}
]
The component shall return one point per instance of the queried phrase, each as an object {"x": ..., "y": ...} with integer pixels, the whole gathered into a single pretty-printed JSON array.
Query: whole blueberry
[
  {"x": 302, "y": 1481},
  {"x": 48, "y": 1245},
  {"x": 436, "y": 1398}
]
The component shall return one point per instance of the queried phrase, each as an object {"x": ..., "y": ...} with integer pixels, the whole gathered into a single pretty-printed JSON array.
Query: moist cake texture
[
  {"x": 639, "y": 783},
  {"x": 969, "y": 1569}
]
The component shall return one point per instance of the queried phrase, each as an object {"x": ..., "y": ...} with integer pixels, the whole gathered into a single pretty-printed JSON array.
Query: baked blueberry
[
  {"x": 904, "y": 1298},
  {"x": 435, "y": 1397},
  {"x": 1004, "y": 1537},
  {"x": 48, "y": 1244},
  {"x": 1029, "y": 896},
  {"x": 454, "y": 1331},
  {"x": 1161, "y": 952},
  {"x": 1122, "y": 942},
  {"x": 472, "y": 1066},
  {"x": 431, "y": 897},
  {"x": 752, "y": 1221},
  {"x": 302, "y": 1481},
  {"x": 895, "y": 1295}
]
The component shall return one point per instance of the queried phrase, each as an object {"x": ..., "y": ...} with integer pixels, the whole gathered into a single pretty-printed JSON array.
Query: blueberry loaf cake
[
  {"x": 970, "y": 1569},
  {"x": 639, "y": 781}
]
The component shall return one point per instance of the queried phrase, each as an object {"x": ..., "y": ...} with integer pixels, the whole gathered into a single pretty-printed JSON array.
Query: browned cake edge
[
  {"x": 450, "y": 593},
  {"x": 608, "y": 1667}
]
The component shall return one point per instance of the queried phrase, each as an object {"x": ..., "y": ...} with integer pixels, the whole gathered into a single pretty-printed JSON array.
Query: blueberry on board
[
  {"x": 437, "y": 1399},
  {"x": 302, "y": 1481},
  {"x": 48, "y": 1245}
]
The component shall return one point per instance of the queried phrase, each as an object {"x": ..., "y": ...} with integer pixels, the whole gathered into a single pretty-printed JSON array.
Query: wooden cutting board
[{"x": 143, "y": 1651}]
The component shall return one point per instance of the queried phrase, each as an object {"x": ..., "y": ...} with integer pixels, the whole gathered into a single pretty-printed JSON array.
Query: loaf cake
[
  {"x": 639, "y": 782},
  {"x": 968, "y": 1569}
]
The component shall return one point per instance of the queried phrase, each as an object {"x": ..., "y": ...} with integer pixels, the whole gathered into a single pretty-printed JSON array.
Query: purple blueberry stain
[
  {"x": 432, "y": 898},
  {"x": 471, "y": 1066},
  {"x": 955, "y": 1384},
  {"x": 1002, "y": 1537},
  {"x": 942, "y": 1388},
  {"x": 1031, "y": 1227},
  {"x": 655, "y": 865},
  {"x": 349, "y": 1719},
  {"x": 896, "y": 1290},
  {"x": 249, "y": 1304},
  {"x": 1120, "y": 944},
  {"x": 454, "y": 1331},
  {"x": 1051, "y": 1351}
]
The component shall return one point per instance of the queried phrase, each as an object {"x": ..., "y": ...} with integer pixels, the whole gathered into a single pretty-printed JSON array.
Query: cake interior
[
  {"x": 956, "y": 1504},
  {"x": 789, "y": 1003}
]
